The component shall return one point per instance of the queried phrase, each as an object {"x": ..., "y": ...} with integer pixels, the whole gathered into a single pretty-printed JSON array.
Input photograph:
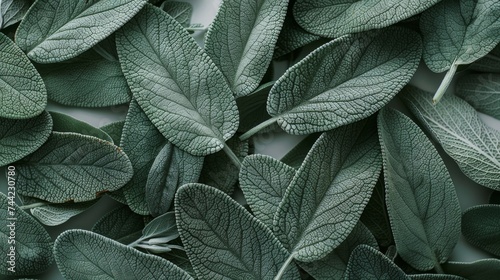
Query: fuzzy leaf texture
[
  {"x": 56, "y": 214},
  {"x": 121, "y": 224},
  {"x": 12, "y": 11},
  {"x": 66, "y": 123},
  {"x": 478, "y": 270},
  {"x": 482, "y": 91},
  {"x": 480, "y": 227}
]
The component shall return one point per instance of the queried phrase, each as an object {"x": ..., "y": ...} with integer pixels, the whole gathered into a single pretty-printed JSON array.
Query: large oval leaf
[
  {"x": 482, "y": 91},
  {"x": 421, "y": 199},
  {"x": 481, "y": 227},
  {"x": 22, "y": 91},
  {"x": 223, "y": 240},
  {"x": 175, "y": 82},
  {"x": 82, "y": 254},
  {"x": 73, "y": 167},
  {"x": 368, "y": 263},
  {"x": 57, "y": 30}
]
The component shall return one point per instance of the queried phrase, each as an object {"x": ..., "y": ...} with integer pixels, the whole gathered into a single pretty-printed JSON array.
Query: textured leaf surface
[
  {"x": 489, "y": 62},
  {"x": 241, "y": 40},
  {"x": 482, "y": 91},
  {"x": 121, "y": 224},
  {"x": 263, "y": 181},
  {"x": 176, "y": 83},
  {"x": 84, "y": 254},
  {"x": 462, "y": 134},
  {"x": 180, "y": 11},
  {"x": 12, "y": 11},
  {"x": 114, "y": 130},
  {"x": 223, "y": 240},
  {"x": 435, "y": 277},
  {"x": 56, "y": 214},
  {"x": 57, "y": 30},
  {"x": 33, "y": 245},
  {"x": 339, "y": 173},
  {"x": 73, "y": 167},
  {"x": 368, "y": 263},
  {"x": 478, "y": 270},
  {"x": 481, "y": 227},
  {"x": 22, "y": 92},
  {"x": 331, "y": 18},
  {"x": 344, "y": 81},
  {"x": 66, "y": 123},
  {"x": 19, "y": 138}
]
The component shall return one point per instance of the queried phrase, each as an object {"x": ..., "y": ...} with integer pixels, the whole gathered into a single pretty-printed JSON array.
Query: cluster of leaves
[{"x": 365, "y": 196}]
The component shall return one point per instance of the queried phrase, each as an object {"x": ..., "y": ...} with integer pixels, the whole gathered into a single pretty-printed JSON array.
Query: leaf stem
[
  {"x": 34, "y": 205},
  {"x": 256, "y": 129},
  {"x": 234, "y": 158},
  {"x": 445, "y": 83},
  {"x": 285, "y": 266},
  {"x": 438, "y": 268}
]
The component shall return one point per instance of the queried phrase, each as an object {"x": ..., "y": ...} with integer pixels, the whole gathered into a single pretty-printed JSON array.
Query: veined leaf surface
[
  {"x": 121, "y": 224},
  {"x": 478, "y": 270},
  {"x": 481, "y": 227},
  {"x": 368, "y": 263},
  {"x": 482, "y": 91},
  {"x": 12, "y": 11},
  {"x": 66, "y": 123},
  {"x": 114, "y": 130},
  {"x": 488, "y": 63},
  {"x": 56, "y": 214}
]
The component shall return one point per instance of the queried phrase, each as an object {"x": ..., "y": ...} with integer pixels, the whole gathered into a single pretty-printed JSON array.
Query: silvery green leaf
[
  {"x": 419, "y": 193},
  {"x": 474, "y": 146},
  {"x": 482, "y": 91},
  {"x": 82, "y": 254},
  {"x": 367, "y": 263},
  {"x": 180, "y": 11},
  {"x": 121, "y": 224},
  {"x": 73, "y": 167},
  {"x": 177, "y": 85},
  {"x": 171, "y": 169},
  {"x": 296, "y": 156},
  {"x": 32, "y": 244},
  {"x": 19, "y": 138},
  {"x": 481, "y": 227},
  {"x": 223, "y": 240},
  {"x": 57, "y": 30},
  {"x": 22, "y": 91},
  {"x": 344, "y": 81},
  {"x": 66, "y": 123},
  {"x": 478, "y": 270},
  {"x": 12, "y": 11},
  {"x": 142, "y": 142},
  {"x": 161, "y": 226},
  {"x": 435, "y": 277},
  {"x": 338, "y": 173},
  {"x": 489, "y": 62},
  {"x": 114, "y": 130},
  {"x": 241, "y": 40},
  {"x": 263, "y": 181},
  {"x": 331, "y": 18}
]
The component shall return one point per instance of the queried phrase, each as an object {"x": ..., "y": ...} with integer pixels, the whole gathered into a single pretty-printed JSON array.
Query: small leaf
[
  {"x": 56, "y": 214},
  {"x": 419, "y": 193},
  {"x": 176, "y": 84},
  {"x": 65, "y": 123},
  {"x": 83, "y": 254},
  {"x": 19, "y": 138},
  {"x": 180, "y": 11},
  {"x": 22, "y": 91},
  {"x": 481, "y": 91},
  {"x": 223, "y": 240},
  {"x": 57, "y": 30},
  {"x": 73, "y": 167},
  {"x": 12, "y": 11},
  {"x": 114, "y": 130},
  {"x": 121, "y": 224},
  {"x": 161, "y": 226},
  {"x": 481, "y": 227},
  {"x": 478, "y": 270}
]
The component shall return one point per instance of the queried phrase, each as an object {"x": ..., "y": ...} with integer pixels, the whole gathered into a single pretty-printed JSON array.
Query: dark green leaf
[
  {"x": 482, "y": 91},
  {"x": 65, "y": 123},
  {"x": 478, "y": 270},
  {"x": 481, "y": 227},
  {"x": 114, "y": 130},
  {"x": 121, "y": 224}
]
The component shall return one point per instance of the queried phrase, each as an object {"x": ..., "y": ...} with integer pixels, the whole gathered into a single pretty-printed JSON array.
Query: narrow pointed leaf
[
  {"x": 419, "y": 193},
  {"x": 478, "y": 270},
  {"x": 482, "y": 91},
  {"x": 161, "y": 226},
  {"x": 57, "y": 30},
  {"x": 223, "y": 240},
  {"x": 66, "y": 123},
  {"x": 114, "y": 130},
  {"x": 73, "y": 167},
  {"x": 176, "y": 83},
  {"x": 481, "y": 227},
  {"x": 12, "y": 11},
  {"x": 22, "y": 91},
  {"x": 344, "y": 81},
  {"x": 339, "y": 173},
  {"x": 121, "y": 224},
  {"x": 84, "y": 254}
]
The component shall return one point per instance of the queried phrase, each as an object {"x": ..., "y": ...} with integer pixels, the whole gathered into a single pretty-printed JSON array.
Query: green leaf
[
  {"x": 56, "y": 214},
  {"x": 489, "y": 62},
  {"x": 19, "y": 138},
  {"x": 84, "y": 254},
  {"x": 57, "y": 30},
  {"x": 114, "y": 130},
  {"x": 252, "y": 108},
  {"x": 331, "y": 18},
  {"x": 367, "y": 263},
  {"x": 171, "y": 169},
  {"x": 435, "y": 277},
  {"x": 296, "y": 156},
  {"x": 32, "y": 244},
  {"x": 22, "y": 92},
  {"x": 142, "y": 142},
  {"x": 462, "y": 134},
  {"x": 12, "y": 11},
  {"x": 481, "y": 227},
  {"x": 180, "y": 11},
  {"x": 482, "y": 91},
  {"x": 419, "y": 193},
  {"x": 73, "y": 167},
  {"x": 478, "y": 270},
  {"x": 176, "y": 83},
  {"x": 157, "y": 234},
  {"x": 223, "y": 240},
  {"x": 263, "y": 181},
  {"x": 121, "y": 224},
  {"x": 252, "y": 28},
  {"x": 339, "y": 173},
  {"x": 344, "y": 81},
  {"x": 66, "y": 123}
]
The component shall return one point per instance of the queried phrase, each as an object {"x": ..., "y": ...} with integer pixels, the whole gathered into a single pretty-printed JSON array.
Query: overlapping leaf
[
  {"x": 56, "y": 214},
  {"x": 121, "y": 224},
  {"x": 489, "y": 62},
  {"x": 65, "y": 123},
  {"x": 180, "y": 11},
  {"x": 114, "y": 130},
  {"x": 12, "y": 11},
  {"x": 480, "y": 227},
  {"x": 478, "y": 270},
  {"x": 482, "y": 91}
]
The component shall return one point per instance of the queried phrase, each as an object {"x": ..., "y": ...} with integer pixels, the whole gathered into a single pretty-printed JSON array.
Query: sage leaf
[
  {"x": 19, "y": 138},
  {"x": 176, "y": 83},
  {"x": 180, "y": 11},
  {"x": 481, "y": 91},
  {"x": 223, "y": 240},
  {"x": 57, "y": 30},
  {"x": 23, "y": 93},
  {"x": 263, "y": 181},
  {"x": 339, "y": 173},
  {"x": 295, "y": 157},
  {"x": 32, "y": 243},
  {"x": 472, "y": 145},
  {"x": 488, "y": 63},
  {"x": 330, "y": 18},
  {"x": 79, "y": 254},
  {"x": 253, "y": 28},
  {"x": 73, "y": 167},
  {"x": 435, "y": 277},
  {"x": 419, "y": 193},
  {"x": 480, "y": 227},
  {"x": 368, "y": 263},
  {"x": 121, "y": 224},
  {"x": 65, "y": 123},
  {"x": 12, "y": 11},
  {"x": 252, "y": 108},
  {"x": 157, "y": 234},
  {"x": 114, "y": 130},
  {"x": 478, "y": 270}
]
